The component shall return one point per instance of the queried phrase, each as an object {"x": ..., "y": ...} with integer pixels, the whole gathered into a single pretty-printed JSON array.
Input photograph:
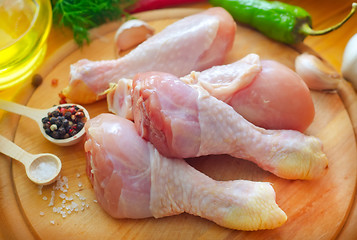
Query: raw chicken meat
[
  {"x": 185, "y": 121},
  {"x": 119, "y": 98},
  {"x": 266, "y": 93},
  {"x": 132, "y": 180},
  {"x": 196, "y": 42}
]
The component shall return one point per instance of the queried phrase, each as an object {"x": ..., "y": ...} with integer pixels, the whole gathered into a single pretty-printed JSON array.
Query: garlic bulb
[
  {"x": 349, "y": 61},
  {"x": 132, "y": 33},
  {"x": 317, "y": 74}
]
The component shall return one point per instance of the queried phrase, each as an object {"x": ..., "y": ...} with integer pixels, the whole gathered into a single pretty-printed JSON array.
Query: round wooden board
[{"x": 316, "y": 209}]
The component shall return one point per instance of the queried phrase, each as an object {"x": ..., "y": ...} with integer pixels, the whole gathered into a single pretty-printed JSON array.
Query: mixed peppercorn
[{"x": 64, "y": 122}]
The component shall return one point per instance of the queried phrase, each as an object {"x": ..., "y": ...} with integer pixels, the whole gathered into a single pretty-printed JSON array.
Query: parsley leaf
[{"x": 83, "y": 15}]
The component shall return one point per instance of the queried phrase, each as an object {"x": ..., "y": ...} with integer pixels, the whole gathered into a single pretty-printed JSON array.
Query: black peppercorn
[
  {"x": 56, "y": 135},
  {"x": 58, "y": 122},
  {"x": 46, "y": 125},
  {"x": 65, "y": 123},
  {"x": 53, "y": 120},
  {"x": 68, "y": 115},
  {"x": 45, "y": 119},
  {"x": 55, "y": 113},
  {"x": 36, "y": 80},
  {"x": 48, "y": 131},
  {"x": 62, "y": 131},
  {"x": 80, "y": 125}
]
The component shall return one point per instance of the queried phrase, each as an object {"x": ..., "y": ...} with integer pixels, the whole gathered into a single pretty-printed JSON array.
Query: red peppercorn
[
  {"x": 54, "y": 82},
  {"x": 62, "y": 101},
  {"x": 79, "y": 114},
  {"x": 62, "y": 98}
]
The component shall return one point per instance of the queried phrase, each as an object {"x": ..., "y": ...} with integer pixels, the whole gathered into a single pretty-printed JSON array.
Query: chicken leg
[
  {"x": 196, "y": 42},
  {"x": 184, "y": 121},
  {"x": 132, "y": 180}
]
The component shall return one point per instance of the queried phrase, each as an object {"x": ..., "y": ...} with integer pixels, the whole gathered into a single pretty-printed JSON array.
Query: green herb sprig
[{"x": 83, "y": 15}]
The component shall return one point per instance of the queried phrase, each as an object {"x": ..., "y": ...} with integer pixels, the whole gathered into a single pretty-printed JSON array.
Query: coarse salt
[
  {"x": 40, "y": 189},
  {"x": 70, "y": 198},
  {"x": 68, "y": 204},
  {"x": 44, "y": 170},
  {"x": 52, "y": 198},
  {"x": 62, "y": 195}
]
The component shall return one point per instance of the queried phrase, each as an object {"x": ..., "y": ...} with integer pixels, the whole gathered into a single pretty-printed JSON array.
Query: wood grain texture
[{"x": 316, "y": 209}]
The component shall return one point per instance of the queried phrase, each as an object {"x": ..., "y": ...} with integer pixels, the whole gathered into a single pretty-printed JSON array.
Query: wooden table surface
[{"x": 324, "y": 13}]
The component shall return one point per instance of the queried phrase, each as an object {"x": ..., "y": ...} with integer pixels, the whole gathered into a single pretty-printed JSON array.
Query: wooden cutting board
[{"x": 316, "y": 209}]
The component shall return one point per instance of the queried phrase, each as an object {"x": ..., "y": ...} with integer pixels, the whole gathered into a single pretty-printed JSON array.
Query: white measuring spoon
[
  {"x": 42, "y": 169},
  {"x": 37, "y": 115}
]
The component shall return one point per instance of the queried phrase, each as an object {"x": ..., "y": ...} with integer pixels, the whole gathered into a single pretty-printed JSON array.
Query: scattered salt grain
[
  {"x": 52, "y": 222},
  {"x": 79, "y": 196},
  {"x": 62, "y": 195},
  {"x": 52, "y": 199},
  {"x": 40, "y": 189},
  {"x": 70, "y": 198},
  {"x": 56, "y": 210},
  {"x": 67, "y": 205},
  {"x": 61, "y": 184},
  {"x": 42, "y": 213},
  {"x": 74, "y": 205}
]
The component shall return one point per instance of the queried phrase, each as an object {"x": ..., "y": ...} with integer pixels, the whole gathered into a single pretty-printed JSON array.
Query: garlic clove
[
  {"x": 317, "y": 74},
  {"x": 132, "y": 33},
  {"x": 349, "y": 61}
]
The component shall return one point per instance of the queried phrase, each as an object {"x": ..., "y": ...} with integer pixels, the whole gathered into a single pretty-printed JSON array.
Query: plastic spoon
[
  {"x": 38, "y": 114},
  {"x": 41, "y": 169}
]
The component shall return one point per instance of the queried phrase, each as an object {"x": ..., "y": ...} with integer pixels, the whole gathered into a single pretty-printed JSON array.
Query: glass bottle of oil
[{"x": 24, "y": 27}]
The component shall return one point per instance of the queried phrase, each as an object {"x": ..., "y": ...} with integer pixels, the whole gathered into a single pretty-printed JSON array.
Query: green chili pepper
[{"x": 280, "y": 21}]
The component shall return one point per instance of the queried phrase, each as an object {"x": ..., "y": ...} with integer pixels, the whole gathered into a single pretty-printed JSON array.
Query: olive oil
[{"x": 24, "y": 27}]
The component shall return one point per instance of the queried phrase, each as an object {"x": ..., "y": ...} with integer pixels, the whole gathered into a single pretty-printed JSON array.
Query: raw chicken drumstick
[
  {"x": 196, "y": 42},
  {"x": 266, "y": 93},
  {"x": 132, "y": 180},
  {"x": 185, "y": 121}
]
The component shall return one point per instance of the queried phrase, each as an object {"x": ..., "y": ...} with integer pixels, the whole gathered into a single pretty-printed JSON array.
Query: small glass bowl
[{"x": 24, "y": 28}]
